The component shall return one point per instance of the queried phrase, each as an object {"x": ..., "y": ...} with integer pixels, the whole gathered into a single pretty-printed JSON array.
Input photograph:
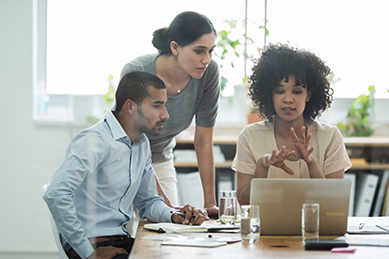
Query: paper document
[
  {"x": 171, "y": 227},
  {"x": 367, "y": 240},
  {"x": 193, "y": 243},
  {"x": 203, "y": 237},
  {"x": 368, "y": 225},
  {"x": 368, "y": 229},
  {"x": 383, "y": 227},
  {"x": 207, "y": 226}
]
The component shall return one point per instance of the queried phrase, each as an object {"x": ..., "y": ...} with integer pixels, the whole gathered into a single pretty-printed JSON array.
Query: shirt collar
[{"x": 117, "y": 131}]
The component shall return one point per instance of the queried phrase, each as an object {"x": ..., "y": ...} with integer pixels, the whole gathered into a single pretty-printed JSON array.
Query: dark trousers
[{"x": 125, "y": 244}]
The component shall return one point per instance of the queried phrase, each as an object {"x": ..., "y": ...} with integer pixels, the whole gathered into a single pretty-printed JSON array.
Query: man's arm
[
  {"x": 152, "y": 207},
  {"x": 60, "y": 194},
  {"x": 149, "y": 204},
  {"x": 161, "y": 192}
]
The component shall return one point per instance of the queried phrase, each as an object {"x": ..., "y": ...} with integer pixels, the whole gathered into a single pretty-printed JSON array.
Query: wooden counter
[{"x": 366, "y": 153}]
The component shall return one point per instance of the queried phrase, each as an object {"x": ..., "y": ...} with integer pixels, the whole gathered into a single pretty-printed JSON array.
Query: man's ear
[{"x": 130, "y": 106}]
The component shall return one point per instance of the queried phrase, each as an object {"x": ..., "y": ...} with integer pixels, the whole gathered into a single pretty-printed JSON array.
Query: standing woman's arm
[{"x": 203, "y": 144}]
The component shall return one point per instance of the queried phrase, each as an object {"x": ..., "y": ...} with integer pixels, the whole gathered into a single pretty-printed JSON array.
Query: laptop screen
[{"x": 281, "y": 200}]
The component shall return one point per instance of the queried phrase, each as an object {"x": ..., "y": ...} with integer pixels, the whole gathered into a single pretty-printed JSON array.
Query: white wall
[{"x": 29, "y": 153}]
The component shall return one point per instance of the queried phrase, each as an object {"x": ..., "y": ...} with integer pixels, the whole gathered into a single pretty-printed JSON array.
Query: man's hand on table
[{"x": 189, "y": 216}]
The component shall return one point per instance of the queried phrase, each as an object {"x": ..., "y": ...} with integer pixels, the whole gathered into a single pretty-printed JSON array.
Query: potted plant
[
  {"x": 229, "y": 46},
  {"x": 358, "y": 118}
]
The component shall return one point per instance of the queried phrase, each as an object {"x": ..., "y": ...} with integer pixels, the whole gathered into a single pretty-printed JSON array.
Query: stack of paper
[{"x": 195, "y": 239}]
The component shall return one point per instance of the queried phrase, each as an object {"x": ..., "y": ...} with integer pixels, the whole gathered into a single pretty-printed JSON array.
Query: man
[{"x": 107, "y": 169}]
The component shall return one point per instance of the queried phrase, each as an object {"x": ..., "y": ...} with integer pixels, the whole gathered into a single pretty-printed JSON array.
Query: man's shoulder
[{"x": 96, "y": 133}]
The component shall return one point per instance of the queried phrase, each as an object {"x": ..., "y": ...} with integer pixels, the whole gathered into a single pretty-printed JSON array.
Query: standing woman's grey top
[{"x": 200, "y": 98}]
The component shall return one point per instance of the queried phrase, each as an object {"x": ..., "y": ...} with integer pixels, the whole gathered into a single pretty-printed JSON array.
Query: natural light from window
[{"x": 90, "y": 39}]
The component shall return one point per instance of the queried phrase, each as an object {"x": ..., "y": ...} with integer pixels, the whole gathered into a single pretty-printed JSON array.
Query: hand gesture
[
  {"x": 277, "y": 160},
  {"x": 301, "y": 144}
]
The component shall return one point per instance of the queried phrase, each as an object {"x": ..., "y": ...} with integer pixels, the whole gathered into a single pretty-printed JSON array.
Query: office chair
[{"x": 61, "y": 251}]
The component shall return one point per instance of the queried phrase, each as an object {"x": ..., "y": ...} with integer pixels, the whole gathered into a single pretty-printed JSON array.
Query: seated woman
[{"x": 290, "y": 88}]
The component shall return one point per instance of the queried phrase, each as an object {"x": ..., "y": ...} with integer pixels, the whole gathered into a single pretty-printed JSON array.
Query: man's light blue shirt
[{"x": 92, "y": 192}]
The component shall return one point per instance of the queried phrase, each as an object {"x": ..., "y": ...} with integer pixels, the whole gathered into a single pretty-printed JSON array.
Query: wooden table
[{"x": 144, "y": 248}]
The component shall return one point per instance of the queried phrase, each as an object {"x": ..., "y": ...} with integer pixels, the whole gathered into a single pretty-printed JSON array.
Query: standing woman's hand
[{"x": 212, "y": 210}]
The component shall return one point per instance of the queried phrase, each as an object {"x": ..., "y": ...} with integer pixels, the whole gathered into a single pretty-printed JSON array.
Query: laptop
[{"x": 280, "y": 204}]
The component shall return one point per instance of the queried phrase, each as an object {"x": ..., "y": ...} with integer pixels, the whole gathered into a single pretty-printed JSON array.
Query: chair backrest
[{"x": 61, "y": 251}]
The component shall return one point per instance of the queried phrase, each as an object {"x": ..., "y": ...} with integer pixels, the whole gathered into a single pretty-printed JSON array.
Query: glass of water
[
  {"x": 227, "y": 207},
  {"x": 310, "y": 221},
  {"x": 250, "y": 227}
]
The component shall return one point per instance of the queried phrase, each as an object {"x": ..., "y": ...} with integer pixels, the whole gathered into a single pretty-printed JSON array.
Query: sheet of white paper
[
  {"x": 383, "y": 227},
  {"x": 367, "y": 240},
  {"x": 193, "y": 243},
  {"x": 229, "y": 238}
]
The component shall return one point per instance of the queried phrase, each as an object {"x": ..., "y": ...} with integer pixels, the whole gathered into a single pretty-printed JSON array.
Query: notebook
[
  {"x": 207, "y": 226},
  {"x": 281, "y": 201}
]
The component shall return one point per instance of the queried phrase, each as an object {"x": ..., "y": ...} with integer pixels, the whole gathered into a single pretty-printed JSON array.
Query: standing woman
[{"x": 184, "y": 62}]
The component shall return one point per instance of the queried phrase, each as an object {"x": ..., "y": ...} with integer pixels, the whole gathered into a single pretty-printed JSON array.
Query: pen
[
  {"x": 383, "y": 228},
  {"x": 182, "y": 214},
  {"x": 361, "y": 225}
]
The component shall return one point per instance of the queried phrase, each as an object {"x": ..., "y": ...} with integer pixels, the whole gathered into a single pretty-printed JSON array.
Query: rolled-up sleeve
[{"x": 147, "y": 200}]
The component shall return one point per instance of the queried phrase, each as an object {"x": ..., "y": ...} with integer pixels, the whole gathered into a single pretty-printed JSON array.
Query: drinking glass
[
  {"x": 227, "y": 207},
  {"x": 250, "y": 227},
  {"x": 310, "y": 221}
]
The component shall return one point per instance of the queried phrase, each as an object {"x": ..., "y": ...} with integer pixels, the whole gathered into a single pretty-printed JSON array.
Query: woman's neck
[
  {"x": 282, "y": 132},
  {"x": 283, "y": 127},
  {"x": 174, "y": 77}
]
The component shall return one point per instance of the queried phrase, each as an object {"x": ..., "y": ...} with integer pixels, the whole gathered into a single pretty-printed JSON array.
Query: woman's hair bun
[{"x": 160, "y": 41}]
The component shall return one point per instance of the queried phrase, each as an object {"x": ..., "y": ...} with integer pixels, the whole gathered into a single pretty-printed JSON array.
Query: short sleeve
[
  {"x": 208, "y": 107},
  {"x": 336, "y": 157},
  {"x": 244, "y": 161}
]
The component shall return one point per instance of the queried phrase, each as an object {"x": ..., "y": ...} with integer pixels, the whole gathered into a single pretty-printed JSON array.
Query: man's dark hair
[{"x": 135, "y": 86}]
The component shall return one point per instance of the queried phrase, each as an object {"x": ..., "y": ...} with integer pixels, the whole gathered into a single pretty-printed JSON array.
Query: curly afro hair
[{"x": 278, "y": 61}]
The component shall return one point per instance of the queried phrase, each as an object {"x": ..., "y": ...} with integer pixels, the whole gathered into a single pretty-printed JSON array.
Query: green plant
[
  {"x": 358, "y": 121},
  {"x": 108, "y": 100},
  {"x": 228, "y": 46}
]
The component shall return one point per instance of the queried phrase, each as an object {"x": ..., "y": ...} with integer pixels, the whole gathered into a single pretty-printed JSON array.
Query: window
[
  {"x": 90, "y": 39},
  {"x": 348, "y": 35}
]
